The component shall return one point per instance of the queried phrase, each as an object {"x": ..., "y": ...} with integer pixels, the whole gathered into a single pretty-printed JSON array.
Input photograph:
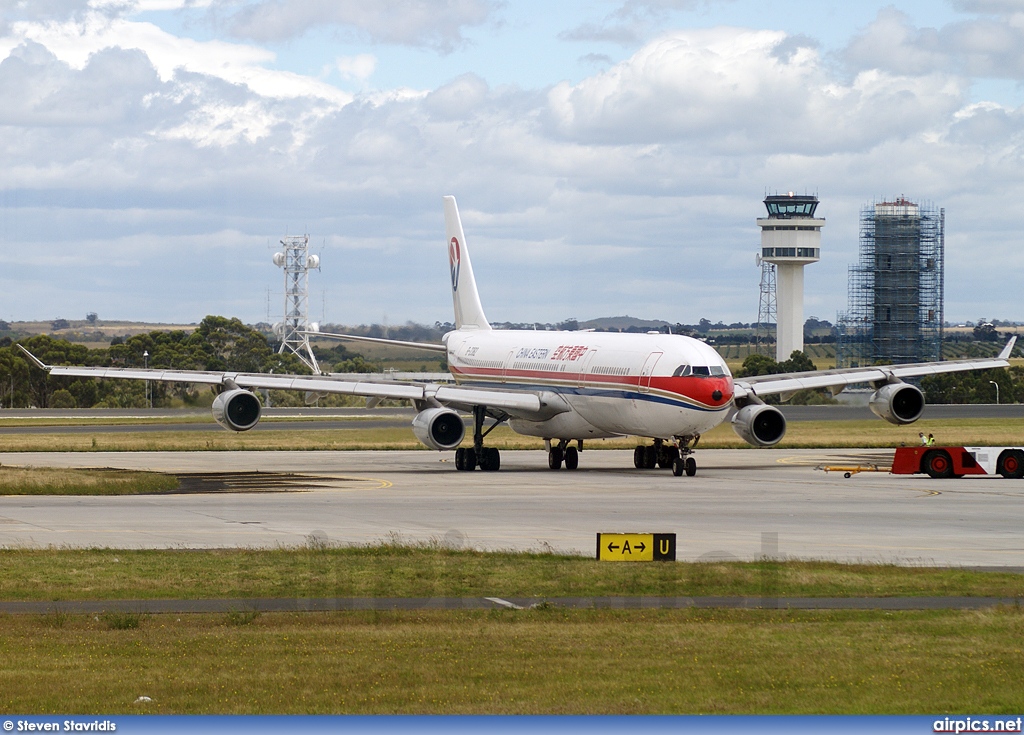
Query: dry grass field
[{"x": 801, "y": 434}]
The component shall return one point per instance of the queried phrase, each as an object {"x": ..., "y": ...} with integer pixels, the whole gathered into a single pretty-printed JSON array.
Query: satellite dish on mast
[
  {"x": 313, "y": 261},
  {"x": 279, "y": 259}
]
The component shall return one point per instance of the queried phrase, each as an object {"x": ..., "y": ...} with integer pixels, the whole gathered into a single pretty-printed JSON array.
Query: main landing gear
[
  {"x": 487, "y": 458},
  {"x": 660, "y": 454},
  {"x": 562, "y": 452}
]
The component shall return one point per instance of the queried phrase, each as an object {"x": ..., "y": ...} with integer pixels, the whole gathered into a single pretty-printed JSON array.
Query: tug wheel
[{"x": 937, "y": 464}]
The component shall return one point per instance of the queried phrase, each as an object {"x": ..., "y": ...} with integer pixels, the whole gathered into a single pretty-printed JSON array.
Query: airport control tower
[{"x": 790, "y": 239}]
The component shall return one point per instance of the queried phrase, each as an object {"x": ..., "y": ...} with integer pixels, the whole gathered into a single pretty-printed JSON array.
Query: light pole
[
  {"x": 145, "y": 364},
  {"x": 997, "y": 390}
]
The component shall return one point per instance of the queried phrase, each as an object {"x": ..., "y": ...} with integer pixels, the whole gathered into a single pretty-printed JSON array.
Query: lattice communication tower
[
  {"x": 297, "y": 262},
  {"x": 895, "y": 312},
  {"x": 767, "y": 311}
]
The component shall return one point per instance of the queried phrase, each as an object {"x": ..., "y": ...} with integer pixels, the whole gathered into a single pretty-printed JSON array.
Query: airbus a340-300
[{"x": 568, "y": 387}]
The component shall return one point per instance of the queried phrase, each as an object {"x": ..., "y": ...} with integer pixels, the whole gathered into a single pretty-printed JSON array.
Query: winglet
[
  {"x": 35, "y": 360},
  {"x": 1005, "y": 354}
]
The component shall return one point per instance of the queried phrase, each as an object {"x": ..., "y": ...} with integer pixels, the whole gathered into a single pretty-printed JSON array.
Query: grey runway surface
[{"x": 739, "y": 503}]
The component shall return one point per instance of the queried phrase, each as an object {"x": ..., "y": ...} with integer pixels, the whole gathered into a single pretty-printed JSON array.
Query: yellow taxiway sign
[{"x": 636, "y": 547}]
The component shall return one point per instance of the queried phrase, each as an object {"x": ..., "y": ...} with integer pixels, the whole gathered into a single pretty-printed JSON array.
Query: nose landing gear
[{"x": 687, "y": 465}]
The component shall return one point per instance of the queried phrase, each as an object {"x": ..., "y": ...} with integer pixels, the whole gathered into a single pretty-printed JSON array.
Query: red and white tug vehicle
[{"x": 940, "y": 462}]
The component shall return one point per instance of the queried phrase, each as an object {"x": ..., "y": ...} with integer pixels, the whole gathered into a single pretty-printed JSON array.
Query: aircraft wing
[
  {"x": 457, "y": 396},
  {"x": 836, "y": 380}
]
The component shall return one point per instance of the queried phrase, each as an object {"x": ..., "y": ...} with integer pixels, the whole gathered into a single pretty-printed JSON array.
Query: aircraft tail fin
[{"x": 469, "y": 313}]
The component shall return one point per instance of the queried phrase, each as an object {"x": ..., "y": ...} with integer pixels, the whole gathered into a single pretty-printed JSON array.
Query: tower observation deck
[{"x": 790, "y": 239}]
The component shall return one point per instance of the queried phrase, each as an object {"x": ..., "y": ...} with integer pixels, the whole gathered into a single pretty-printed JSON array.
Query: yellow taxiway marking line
[
  {"x": 381, "y": 483},
  {"x": 823, "y": 459}
]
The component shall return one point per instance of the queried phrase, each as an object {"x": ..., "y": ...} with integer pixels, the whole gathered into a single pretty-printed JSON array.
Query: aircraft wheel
[
  {"x": 1011, "y": 464},
  {"x": 465, "y": 459},
  {"x": 491, "y": 460},
  {"x": 678, "y": 466},
  {"x": 638, "y": 458},
  {"x": 937, "y": 464},
  {"x": 555, "y": 458},
  {"x": 572, "y": 458},
  {"x": 667, "y": 456},
  {"x": 691, "y": 467},
  {"x": 650, "y": 457}
]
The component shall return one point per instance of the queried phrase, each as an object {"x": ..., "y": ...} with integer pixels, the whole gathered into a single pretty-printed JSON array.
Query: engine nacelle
[
  {"x": 238, "y": 410},
  {"x": 760, "y": 425},
  {"x": 439, "y": 428},
  {"x": 897, "y": 403}
]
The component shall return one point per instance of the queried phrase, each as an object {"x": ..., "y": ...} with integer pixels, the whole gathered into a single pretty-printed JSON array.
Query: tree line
[
  {"x": 217, "y": 344},
  {"x": 223, "y": 344}
]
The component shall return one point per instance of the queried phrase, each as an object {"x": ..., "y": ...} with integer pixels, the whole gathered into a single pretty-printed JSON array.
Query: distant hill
[
  {"x": 96, "y": 333},
  {"x": 622, "y": 322}
]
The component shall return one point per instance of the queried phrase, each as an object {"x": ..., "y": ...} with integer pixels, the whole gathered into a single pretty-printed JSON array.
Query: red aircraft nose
[{"x": 721, "y": 391}]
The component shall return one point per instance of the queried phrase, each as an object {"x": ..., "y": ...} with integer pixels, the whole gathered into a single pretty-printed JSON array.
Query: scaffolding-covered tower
[
  {"x": 296, "y": 263},
  {"x": 896, "y": 289}
]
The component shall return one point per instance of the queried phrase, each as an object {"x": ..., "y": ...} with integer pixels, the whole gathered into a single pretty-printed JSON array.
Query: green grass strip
[
  {"x": 516, "y": 662},
  {"x": 424, "y": 571}
]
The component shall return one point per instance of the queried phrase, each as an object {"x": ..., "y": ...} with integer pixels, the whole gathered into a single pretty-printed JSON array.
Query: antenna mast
[{"x": 297, "y": 263}]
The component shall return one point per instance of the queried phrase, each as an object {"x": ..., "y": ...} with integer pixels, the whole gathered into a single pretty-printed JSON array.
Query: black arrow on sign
[
  {"x": 641, "y": 546},
  {"x": 612, "y": 547}
]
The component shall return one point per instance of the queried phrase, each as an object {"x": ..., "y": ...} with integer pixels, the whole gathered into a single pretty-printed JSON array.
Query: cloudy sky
[{"x": 609, "y": 157}]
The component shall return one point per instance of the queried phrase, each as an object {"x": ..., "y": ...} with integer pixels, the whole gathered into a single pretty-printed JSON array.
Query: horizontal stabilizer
[{"x": 429, "y": 346}]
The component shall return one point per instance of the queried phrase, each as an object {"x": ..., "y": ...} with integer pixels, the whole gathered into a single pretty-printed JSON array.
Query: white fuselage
[{"x": 651, "y": 385}]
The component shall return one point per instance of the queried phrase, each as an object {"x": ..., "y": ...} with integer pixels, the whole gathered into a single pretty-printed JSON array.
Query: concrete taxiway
[{"x": 742, "y": 504}]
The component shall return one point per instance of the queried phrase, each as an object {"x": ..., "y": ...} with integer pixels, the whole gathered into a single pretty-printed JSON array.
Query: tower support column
[{"x": 790, "y": 306}]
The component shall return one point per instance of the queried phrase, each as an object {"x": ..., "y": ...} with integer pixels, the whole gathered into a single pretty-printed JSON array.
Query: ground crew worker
[
  {"x": 930, "y": 441},
  {"x": 924, "y": 442}
]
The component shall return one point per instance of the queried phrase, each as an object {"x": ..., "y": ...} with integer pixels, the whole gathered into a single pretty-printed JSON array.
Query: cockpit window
[{"x": 700, "y": 371}]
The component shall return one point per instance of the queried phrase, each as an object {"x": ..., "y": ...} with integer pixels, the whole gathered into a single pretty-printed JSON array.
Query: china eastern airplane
[{"x": 567, "y": 387}]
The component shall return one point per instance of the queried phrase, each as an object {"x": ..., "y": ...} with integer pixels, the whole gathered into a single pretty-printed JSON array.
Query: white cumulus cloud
[
  {"x": 743, "y": 90},
  {"x": 429, "y": 23}
]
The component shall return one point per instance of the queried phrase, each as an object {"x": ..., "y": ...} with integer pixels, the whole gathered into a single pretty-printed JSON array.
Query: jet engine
[
  {"x": 760, "y": 425},
  {"x": 897, "y": 403},
  {"x": 237, "y": 409},
  {"x": 439, "y": 428}
]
